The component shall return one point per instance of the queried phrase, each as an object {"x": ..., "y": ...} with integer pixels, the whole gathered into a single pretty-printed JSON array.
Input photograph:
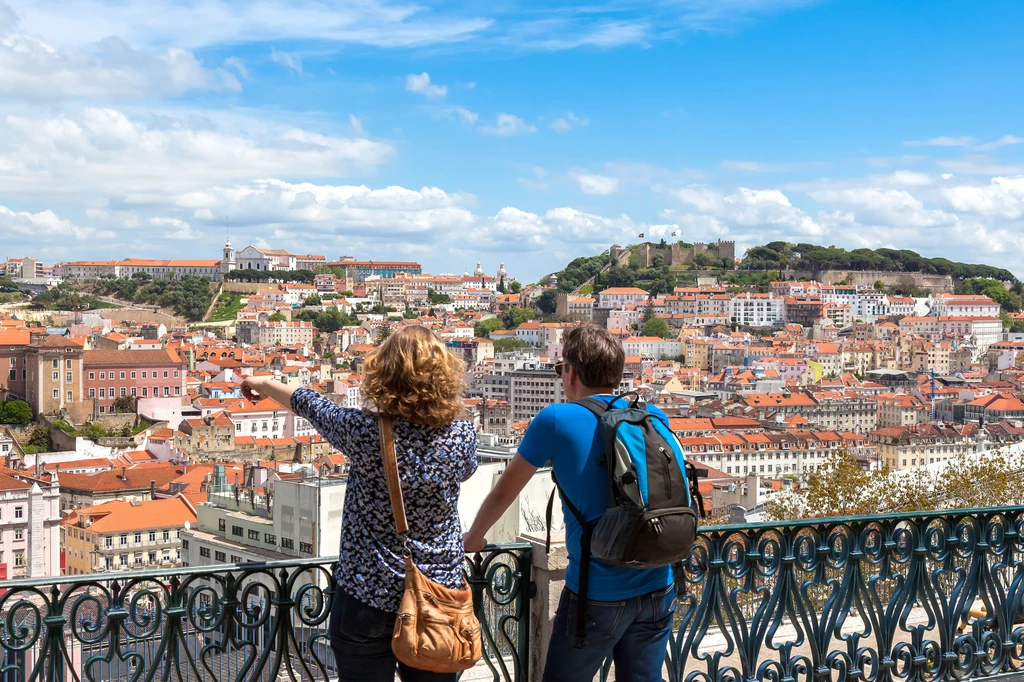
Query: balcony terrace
[{"x": 917, "y": 596}]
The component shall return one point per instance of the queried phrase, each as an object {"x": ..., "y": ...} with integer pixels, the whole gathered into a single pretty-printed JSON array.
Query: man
[{"x": 629, "y": 611}]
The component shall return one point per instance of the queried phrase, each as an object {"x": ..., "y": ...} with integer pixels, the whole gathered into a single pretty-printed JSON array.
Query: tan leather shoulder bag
[{"x": 436, "y": 628}]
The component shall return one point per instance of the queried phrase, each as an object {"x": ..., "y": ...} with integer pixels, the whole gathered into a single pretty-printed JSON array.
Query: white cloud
[
  {"x": 569, "y": 121},
  {"x": 174, "y": 228},
  {"x": 466, "y": 115},
  {"x": 760, "y": 167},
  {"x": 768, "y": 209},
  {"x": 943, "y": 141},
  {"x": 893, "y": 207},
  {"x": 34, "y": 70},
  {"x": 44, "y": 225},
  {"x": 1003, "y": 197},
  {"x": 420, "y": 83},
  {"x": 590, "y": 183},
  {"x": 238, "y": 65},
  {"x": 508, "y": 125},
  {"x": 357, "y": 125},
  {"x": 1001, "y": 142},
  {"x": 101, "y": 152},
  {"x": 286, "y": 59}
]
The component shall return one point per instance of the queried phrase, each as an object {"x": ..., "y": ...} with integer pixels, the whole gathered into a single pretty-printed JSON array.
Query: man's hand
[
  {"x": 251, "y": 388},
  {"x": 473, "y": 543}
]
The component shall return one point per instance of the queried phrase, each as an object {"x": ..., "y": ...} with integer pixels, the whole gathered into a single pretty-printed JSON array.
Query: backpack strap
[
  {"x": 691, "y": 474},
  {"x": 579, "y": 637}
]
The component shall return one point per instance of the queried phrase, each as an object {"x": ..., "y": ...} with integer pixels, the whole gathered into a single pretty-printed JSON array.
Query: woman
[{"x": 415, "y": 379}]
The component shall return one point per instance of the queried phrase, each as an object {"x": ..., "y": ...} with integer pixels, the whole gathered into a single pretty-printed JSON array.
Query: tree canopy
[
  {"x": 15, "y": 412},
  {"x": 656, "y": 326},
  {"x": 803, "y": 256}
]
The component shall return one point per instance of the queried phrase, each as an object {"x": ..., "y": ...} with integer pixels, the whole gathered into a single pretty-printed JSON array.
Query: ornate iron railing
[
  {"x": 256, "y": 622},
  {"x": 872, "y": 598}
]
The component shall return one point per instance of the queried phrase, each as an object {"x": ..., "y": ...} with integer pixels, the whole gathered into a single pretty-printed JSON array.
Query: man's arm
[{"x": 515, "y": 477}]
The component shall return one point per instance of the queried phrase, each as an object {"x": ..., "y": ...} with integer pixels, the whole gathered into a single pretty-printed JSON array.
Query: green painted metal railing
[{"x": 255, "y": 622}]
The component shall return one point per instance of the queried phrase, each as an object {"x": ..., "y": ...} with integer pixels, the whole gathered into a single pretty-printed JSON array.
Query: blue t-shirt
[{"x": 567, "y": 436}]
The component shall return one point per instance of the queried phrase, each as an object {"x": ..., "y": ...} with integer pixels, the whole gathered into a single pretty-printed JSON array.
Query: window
[
  {"x": 287, "y": 543},
  {"x": 67, "y": 364},
  {"x": 175, "y": 374},
  {"x": 103, "y": 375},
  {"x": 56, "y": 393},
  {"x": 306, "y": 547},
  {"x": 108, "y": 542},
  {"x": 55, "y": 376},
  {"x": 124, "y": 559},
  {"x": 124, "y": 391},
  {"x": 254, "y": 534},
  {"x": 167, "y": 391},
  {"x": 55, "y": 363},
  {"x": 152, "y": 536},
  {"x": 19, "y": 559},
  {"x": 167, "y": 536},
  {"x": 143, "y": 375},
  {"x": 177, "y": 390},
  {"x": 152, "y": 557},
  {"x": 145, "y": 391},
  {"x": 19, "y": 512},
  {"x": 122, "y": 375},
  {"x": 103, "y": 409},
  {"x": 269, "y": 539},
  {"x": 238, "y": 427},
  {"x": 92, "y": 376},
  {"x": 124, "y": 539},
  {"x": 220, "y": 556},
  {"x": 12, "y": 375},
  {"x": 165, "y": 374},
  {"x": 167, "y": 555},
  {"x": 133, "y": 391},
  {"x": 235, "y": 559},
  {"x": 19, "y": 534},
  {"x": 14, "y": 362},
  {"x": 204, "y": 551},
  {"x": 222, "y": 525},
  {"x": 103, "y": 393},
  {"x": 138, "y": 558},
  {"x": 184, "y": 544},
  {"x": 92, "y": 392},
  {"x": 236, "y": 530},
  {"x": 138, "y": 538},
  {"x": 133, "y": 375},
  {"x": 69, "y": 397}
]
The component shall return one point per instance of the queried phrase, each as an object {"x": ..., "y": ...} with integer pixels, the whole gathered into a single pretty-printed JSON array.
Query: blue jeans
[
  {"x": 633, "y": 632},
  {"x": 361, "y": 640}
]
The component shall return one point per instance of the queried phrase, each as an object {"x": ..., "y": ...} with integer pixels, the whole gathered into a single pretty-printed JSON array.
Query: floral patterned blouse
[{"x": 432, "y": 463}]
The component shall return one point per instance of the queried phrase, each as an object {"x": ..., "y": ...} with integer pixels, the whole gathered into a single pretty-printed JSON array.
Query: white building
[
  {"x": 757, "y": 310},
  {"x": 613, "y": 297},
  {"x": 652, "y": 346},
  {"x": 971, "y": 305},
  {"x": 29, "y": 527}
]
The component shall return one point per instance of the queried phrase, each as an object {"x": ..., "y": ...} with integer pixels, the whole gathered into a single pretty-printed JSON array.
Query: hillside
[{"x": 763, "y": 263}]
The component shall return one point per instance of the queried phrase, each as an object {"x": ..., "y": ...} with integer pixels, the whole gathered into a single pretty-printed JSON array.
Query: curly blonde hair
[{"x": 413, "y": 376}]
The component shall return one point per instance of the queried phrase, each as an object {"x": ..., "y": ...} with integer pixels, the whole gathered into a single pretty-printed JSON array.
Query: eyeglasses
[{"x": 559, "y": 366}]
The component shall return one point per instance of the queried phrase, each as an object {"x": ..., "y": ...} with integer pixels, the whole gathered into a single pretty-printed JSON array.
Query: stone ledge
[{"x": 555, "y": 560}]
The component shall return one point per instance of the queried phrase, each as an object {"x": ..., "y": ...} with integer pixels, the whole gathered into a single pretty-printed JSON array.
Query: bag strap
[
  {"x": 387, "y": 450},
  {"x": 579, "y": 638}
]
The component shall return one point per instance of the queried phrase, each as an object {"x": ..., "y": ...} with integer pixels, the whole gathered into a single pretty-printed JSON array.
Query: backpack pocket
[{"x": 628, "y": 537}]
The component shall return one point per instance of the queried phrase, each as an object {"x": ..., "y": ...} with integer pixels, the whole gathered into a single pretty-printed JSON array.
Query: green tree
[
  {"x": 515, "y": 287},
  {"x": 483, "y": 328},
  {"x": 508, "y": 345},
  {"x": 277, "y": 317},
  {"x": 703, "y": 260},
  {"x": 124, "y": 404},
  {"x": 657, "y": 260},
  {"x": 879, "y": 285},
  {"x": 635, "y": 261},
  {"x": 40, "y": 438},
  {"x": 501, "y": 287},
  {"x": 513, "y": 317},
  {"x": 437, "y": 298},
  {"x": 546, "y": 302},
  {"x": 312, "y": 299},
  {"x": 656, "y": 326},
  {"x": 15, "y": 412}
]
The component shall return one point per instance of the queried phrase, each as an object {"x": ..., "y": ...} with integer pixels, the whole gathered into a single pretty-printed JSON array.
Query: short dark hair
[{"x": 596, "y": 356}]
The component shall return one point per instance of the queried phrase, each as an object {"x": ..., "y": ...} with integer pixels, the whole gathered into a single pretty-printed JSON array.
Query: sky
[{"x": 522, "y": 131}]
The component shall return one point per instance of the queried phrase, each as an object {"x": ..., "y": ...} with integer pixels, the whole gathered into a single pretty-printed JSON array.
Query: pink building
[{"x": 112, "y": 374}]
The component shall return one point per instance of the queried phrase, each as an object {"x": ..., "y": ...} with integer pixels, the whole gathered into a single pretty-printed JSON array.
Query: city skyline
[{"x": 425, "y": 132}]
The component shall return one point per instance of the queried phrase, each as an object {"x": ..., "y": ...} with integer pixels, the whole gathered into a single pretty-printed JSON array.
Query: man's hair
[{"x": 596, "y": 356}]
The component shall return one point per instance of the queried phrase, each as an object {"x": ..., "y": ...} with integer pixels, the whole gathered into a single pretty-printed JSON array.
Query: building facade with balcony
[
  {"x": 121, "y": 535},
  {"x": 29, "y": 526},
  {"x": 112, "y": 374}
]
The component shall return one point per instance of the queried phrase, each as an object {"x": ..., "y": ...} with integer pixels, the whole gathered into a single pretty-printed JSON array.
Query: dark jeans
[
  {"x": 633, "y": 632},
  {"x": 361, "y": 640}
]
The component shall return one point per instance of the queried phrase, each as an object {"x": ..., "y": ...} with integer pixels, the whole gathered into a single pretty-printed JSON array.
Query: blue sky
[{"x": 525, "y": 131}]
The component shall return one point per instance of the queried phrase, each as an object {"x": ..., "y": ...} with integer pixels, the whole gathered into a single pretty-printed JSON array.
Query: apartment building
[
  {"x": 29, "y": 526},
  {"x": 962, "y": 305},
  {"x": 13, "y": 361},
  {"x": 613, "y": 297},
  {"x": 908, "y": 447},
  {"x": 112, "y": 374},
  {"x": 122, "y": 535},
  {"x": 54, "y": 376},
  {"x": 901, "y": 410},
  {"x": 283, "y": 333},
  {"x": 536, "y": 386},
  {"x": 797, "y": 452},
  {"x": 757, "y": 310}
]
